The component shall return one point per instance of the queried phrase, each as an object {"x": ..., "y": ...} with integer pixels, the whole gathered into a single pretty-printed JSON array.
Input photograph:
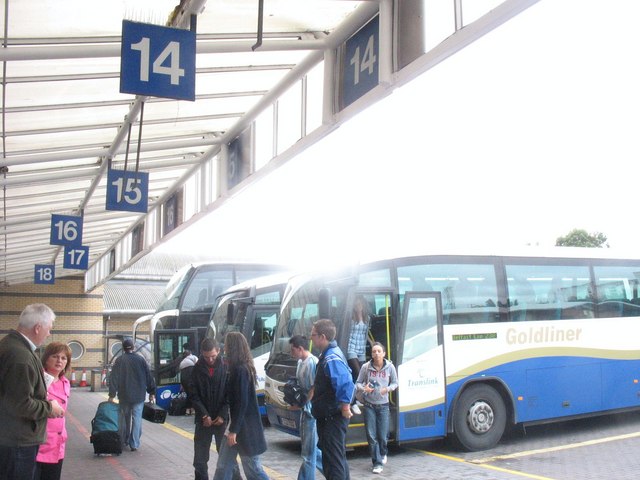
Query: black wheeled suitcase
[
  {"x": 178, "y": 406},
  {"x": 106, "y": 443},
  {"x": 104, "y": 430},
  {"x": 154, "y": 413}
]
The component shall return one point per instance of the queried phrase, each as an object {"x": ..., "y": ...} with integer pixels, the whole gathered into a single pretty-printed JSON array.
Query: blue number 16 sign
[
  {"x": 157, "y": 61},
  {"x": 66, "y": 230}
]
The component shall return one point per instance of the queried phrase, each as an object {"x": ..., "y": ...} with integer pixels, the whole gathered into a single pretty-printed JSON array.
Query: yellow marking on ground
[
  {"x": 275, "y": 475},
  {"x": 587, "y": 443},
  {"x": 178, "y": 430},
  {"x": 488, "y": 467},
  {"x": 270, "y": 472}
]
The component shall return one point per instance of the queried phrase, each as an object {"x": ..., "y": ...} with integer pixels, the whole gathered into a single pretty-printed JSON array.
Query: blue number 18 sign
[
  {"x": 44, "y": 274},
  {"x": 158, "y": 61}
]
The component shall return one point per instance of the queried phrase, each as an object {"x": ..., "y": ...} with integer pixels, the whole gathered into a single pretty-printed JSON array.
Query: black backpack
[{"x": 294, "y": 394}]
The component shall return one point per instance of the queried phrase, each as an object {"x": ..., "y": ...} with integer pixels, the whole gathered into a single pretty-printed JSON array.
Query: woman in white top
[
  {"x": 186, "y": 369},
  {"x": 377, "y": 378}
]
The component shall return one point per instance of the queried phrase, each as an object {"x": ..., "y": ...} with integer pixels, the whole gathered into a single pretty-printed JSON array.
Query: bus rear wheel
[{"x": 479, "y": 418}]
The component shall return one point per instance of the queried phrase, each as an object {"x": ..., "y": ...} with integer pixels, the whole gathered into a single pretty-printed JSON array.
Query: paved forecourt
[{"x": 167, "y": 452}]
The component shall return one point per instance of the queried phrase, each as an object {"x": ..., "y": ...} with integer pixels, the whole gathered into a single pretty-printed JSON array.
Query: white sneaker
[
  {"x": 377, "y": 469},
  {"x": 384, "y": 460},
  {"x": 356, "y": 409}
]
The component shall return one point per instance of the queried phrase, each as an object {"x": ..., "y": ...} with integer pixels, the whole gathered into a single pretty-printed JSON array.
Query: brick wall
[{"x": 79, "y": 315}]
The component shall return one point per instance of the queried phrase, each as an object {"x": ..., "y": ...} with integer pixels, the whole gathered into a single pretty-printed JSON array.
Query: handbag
[{"x": 154, "y": 413}]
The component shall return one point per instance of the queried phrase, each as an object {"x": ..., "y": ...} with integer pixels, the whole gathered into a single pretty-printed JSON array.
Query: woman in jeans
[
  {"x": 377, "y": 378},
  {"x": 244, "y": 435}
]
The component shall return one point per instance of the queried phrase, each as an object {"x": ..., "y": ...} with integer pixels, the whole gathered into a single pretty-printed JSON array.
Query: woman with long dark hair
[{"x": 244, "y": 435}]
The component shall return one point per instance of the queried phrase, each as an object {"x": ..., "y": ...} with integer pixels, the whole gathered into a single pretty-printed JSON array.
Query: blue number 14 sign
[{"x": 157, "y": 61}]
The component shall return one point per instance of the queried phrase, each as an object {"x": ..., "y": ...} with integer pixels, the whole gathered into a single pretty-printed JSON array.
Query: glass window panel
[
  {"x": 469, "y": 291},
  {"x": 548, "y": 292},
  {"x": 617, "y": 291},
  {"x": 421, "y": 333},
  {"x": 376, "y": 278},
  {"x": 204, "y": 289}
]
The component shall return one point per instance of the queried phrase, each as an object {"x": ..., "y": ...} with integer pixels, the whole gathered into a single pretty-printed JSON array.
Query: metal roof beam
[
  {"x": 118, "y": 103},
  {"x": 155, "y": 121},
  {"x": 13, "y": 54},
  {"x": 117, "y": 39},
  {"x": 148, "y": 145},
  {"x": 104, "y": 75},
  {"x": 80, "y": 173}
]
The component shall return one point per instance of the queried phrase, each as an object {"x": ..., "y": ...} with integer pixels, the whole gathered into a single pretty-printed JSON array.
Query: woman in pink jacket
[{"x": 57, "y": 362}]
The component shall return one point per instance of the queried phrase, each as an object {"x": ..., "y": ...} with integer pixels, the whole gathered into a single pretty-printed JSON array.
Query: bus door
[
  {"x": 167, "y": 355},
  {"x": 421, "y": 369},
  {"x": 381, "y": 323},
  {"x": 260, "y": 325}
]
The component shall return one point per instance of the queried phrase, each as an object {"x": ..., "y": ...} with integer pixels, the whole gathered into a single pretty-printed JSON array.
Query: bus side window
[
  {"x": 548, "y": 292},
  {"x": 522, "y": 299}
]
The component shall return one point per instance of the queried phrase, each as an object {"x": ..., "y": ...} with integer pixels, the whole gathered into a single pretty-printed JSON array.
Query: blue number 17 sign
[{"x": 157, "y": 61}]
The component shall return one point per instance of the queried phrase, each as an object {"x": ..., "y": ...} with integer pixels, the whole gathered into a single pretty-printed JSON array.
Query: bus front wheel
[{"x": 479, "y": 418}]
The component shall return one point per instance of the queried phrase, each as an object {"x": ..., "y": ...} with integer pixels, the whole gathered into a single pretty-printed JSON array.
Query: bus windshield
[
  {"x": 219, "y": 326},
  {"x": 300, "y": 309},
  {"x": 174, "y": 289},
  {"x": 252, "y": 309}
]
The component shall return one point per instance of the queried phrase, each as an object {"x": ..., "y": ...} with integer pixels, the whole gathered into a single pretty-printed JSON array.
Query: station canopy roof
[
  {"x": 64, "y": 118},
  {"x": 65, "y": 121}
]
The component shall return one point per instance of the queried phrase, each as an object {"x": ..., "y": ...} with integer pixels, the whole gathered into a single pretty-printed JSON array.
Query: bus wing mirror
[{"x": 324, "y": 303}]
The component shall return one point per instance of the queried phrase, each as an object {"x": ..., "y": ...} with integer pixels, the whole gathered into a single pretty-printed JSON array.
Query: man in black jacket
[
  {"x": 207, "y": 392},
  {"x": 24, "y": 408}
]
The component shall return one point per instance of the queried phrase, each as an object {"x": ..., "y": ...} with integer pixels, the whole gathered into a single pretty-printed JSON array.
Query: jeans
[
  {"x": 311, "y": 455},
  {"x": 227, "y": 460},
  {"x": 131, "y": 423},
  {"x": 17, "y": 463},
  {"x": 376, "y": 422},
  {"x": 201, "y": 448},
  {"x": 332, "y": 433}
]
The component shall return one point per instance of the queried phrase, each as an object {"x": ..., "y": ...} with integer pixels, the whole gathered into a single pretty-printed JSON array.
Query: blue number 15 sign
[
  {"x": 157, "y": 61},
  {"x": 127, "y": 190}
]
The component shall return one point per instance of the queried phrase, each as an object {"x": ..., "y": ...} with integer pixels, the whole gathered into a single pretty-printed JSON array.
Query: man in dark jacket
[
  {"x": 24, "y": 408},
  {"x": 207, "y": 392},
  {"x": 131, "y": 380},
  {"x": 331, "y": 403}
]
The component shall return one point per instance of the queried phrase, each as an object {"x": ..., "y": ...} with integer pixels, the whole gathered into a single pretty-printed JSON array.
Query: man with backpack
[{"x": 306, "y": 375}]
